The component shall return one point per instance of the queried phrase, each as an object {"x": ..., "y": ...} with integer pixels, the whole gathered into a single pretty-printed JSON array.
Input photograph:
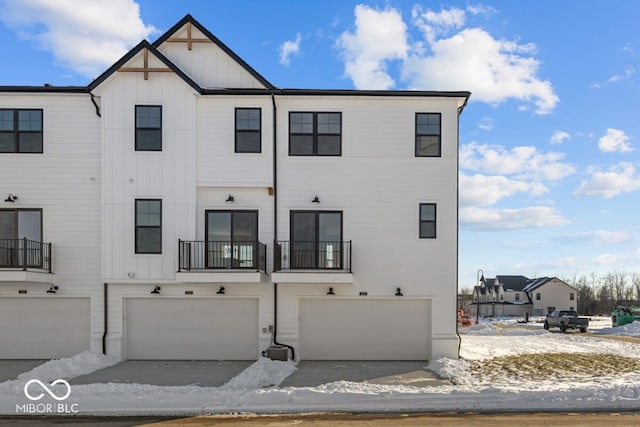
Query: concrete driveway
[
  {"x": 204, "y": 373},
  {"x": 312, "y": 373},
  {"x": 10, "y": 369}
]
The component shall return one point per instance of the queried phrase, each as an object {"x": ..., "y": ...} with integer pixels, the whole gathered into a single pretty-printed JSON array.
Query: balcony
[
  {"x": 25, "y": 261},
  {"x": 324, "y": 262},
  {"x": 221, "y": 261}
]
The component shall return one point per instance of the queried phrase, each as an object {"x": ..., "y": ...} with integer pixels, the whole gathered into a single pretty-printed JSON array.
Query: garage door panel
[
  {"x": 191, "y": 329},
  {"x": 43, "y": 328},
  {"x": 336, "y": 329}
]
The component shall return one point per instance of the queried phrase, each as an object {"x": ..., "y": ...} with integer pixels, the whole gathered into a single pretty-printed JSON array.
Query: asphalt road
[{"x": 599, "y": 419}]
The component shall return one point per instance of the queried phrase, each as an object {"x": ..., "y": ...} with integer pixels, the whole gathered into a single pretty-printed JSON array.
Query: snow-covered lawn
[{"x": 505, "y": 366}]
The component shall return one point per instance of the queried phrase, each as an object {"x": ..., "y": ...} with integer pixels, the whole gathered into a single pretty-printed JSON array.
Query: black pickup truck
[{"x": 566, "y": 319}]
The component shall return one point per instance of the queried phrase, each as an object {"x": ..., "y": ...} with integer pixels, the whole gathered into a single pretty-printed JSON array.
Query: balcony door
[
  {"x": 15, "y": 226},
  {"x": 231, "y": 239},
  {"x": 316, "y": 239}
]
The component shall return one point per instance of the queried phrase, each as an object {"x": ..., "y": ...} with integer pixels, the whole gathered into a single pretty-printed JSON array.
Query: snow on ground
[{"x": 256, "y": 389}]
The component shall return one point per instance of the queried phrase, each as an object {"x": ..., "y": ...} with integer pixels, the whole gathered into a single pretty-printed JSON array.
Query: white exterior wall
[
  {"x": 378, "y": 184},
  {"x": 64, "y": 181},
  {"x": 554, "y": 293}
]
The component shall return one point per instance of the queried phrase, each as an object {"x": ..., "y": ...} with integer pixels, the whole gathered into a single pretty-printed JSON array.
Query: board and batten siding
[
  {"x": 168, "y": 175},
  {"x": 378, "y": 184}
]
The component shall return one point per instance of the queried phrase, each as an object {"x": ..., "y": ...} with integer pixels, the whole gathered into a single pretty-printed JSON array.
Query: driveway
[
  {"x": 10, "y": 369},
  {"x": 204, "y": 373}
]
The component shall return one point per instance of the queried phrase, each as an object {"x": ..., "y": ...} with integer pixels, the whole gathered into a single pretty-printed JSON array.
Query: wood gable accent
[
  {"x": 146, "y": 69},
  {"x": 189, "y": 40}
]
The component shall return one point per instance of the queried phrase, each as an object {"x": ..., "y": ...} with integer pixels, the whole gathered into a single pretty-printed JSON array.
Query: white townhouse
[{"x": 182, "y": 207}]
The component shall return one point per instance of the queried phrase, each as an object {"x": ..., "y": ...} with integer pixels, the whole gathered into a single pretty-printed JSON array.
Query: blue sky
[{"x": 549, "y": 163}]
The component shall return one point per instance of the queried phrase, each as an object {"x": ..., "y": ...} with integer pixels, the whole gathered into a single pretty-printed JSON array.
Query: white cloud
[
  {"x": 559, "y": 137},
  {"x": 86, "y": 36},
  {"x": 520, "y": 161},
  {"x": 614, "y": 141},
  {"x": 288, "y": 48},
  {"x": 621, "y": 178},
  {"x": 608, "y": 237},
  {"x": 380, "y": 36},
  {"x": 447, "y": 57},
  {"x": 628, "y": 72},
  {"x": 482, "y": 190},
  {"x": 486, "y": 123},
  {"x": 510, "y": 219}
]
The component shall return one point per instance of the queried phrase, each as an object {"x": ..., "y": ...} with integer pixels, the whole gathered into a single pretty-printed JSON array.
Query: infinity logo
[{"x": 44, "y": 386}]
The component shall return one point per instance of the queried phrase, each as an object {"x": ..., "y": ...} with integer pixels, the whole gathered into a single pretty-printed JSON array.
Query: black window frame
[
  {"x": 239, "y": 132},
  {"x": 315, "y": 134},
  {"x": 150, "y": 128},
  {"x": 231, "y": 212},
  {"x": 572, "y": 296},
  {"x": 428, "y": 134},
  {"x": 434, "y": 221},
  {"x": 16, "y": 132},
  {"x": 538, "y": 296},
  {"x": 137, "y": 226},
  {"x": 316, "y": 248}
]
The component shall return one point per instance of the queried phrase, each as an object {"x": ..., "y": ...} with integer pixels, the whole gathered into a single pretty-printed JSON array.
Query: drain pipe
[
  {"x": 106, "y": 318},
  {"x": 274, "y": 335}
]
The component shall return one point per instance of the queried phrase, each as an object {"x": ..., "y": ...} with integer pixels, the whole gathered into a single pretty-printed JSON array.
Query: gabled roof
[
  {"x": 131, "y": 54},
  {"x": 513, "y": 283},
  {"x": 189, "y": 19},
  {"x": 541, "y": 281}
]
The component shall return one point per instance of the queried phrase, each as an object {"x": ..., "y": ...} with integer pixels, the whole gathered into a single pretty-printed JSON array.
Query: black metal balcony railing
[
  {"x": 318, "y": 255},
  {"x": 25, "y": 254},
  {"x": 215, "y": 255}
]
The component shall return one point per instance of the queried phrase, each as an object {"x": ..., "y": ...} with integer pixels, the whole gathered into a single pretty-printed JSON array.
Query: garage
[
  {"x": 364, "y": 329},
  {"x": 191, "y": 328},
  {"x": 43, "y": 328}
]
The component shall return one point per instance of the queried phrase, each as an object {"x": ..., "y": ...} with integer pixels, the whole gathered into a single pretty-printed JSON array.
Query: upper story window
[
  {"x": 538, "y": 296},
  {"x": 517, "y": 296},
  {"x": 148, "y": 226},
  {"x": 315, "y": 134},
  {"x": 20, "y": 131},
  {"x": 316, "y": 240},
  {"x": 428, "y": 138},
  {"x": 248, "y": 130},
  {"x": 21, "y": 237},
  {"x": 427, "y": 220},
  {"x": 148, "y": 128},
  {"x": 572, "y": 296}
]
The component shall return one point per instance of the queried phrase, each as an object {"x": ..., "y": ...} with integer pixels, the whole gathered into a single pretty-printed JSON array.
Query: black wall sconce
[
  {"x": 315, "y": 199},
  {"x": 52, "y": 289},
  {"x": 399, "y": 292},
  {"x": 220, "y": 291},
  {"x": 11, "y": 198},
  {"x": 330, "y": 292},
  {"x": 156, "y": 289},
  {"x": 230, "y": 198}
]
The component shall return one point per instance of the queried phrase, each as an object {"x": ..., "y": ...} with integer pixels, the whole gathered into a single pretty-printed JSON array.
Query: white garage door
[
  {"x": 192, "y": 329},
  {"x": 335, "y": 329},
  {"x": 43, "y": 328}
]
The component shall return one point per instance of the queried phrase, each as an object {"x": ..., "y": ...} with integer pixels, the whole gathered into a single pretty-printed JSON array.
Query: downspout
[
  {"x": 95, "y": 104},
  {"x": 106, "y": 318},
  {"x": 274, "y": 336},
  {"x": 458, "y": 217}
]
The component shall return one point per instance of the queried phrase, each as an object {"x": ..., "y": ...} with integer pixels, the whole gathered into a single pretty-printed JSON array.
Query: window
[
  {"x": 148, "y": 128},
  {"x": 248, "y": 135},
  {"x": 517, "y": 296},
  {"x": 20, "y": 131},
  {"x": 315, "y": 134},
  {"x": 148, "y": 226},
  {"x": 15, "y": 226},
  {"x": 572, "y": 296},
  {"x": 537, "y": 296},
  {"x": 231, "y": 239},
  {"x": 427, "y": 220},
  {"x": 428, "y": 142},
  {"x": 316, "y": 239}
]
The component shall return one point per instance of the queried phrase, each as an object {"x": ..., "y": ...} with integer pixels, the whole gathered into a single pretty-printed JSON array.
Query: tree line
[{"x": 599, "y": 294}]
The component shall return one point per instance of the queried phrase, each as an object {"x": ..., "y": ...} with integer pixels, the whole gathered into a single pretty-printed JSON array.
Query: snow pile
[
  {"x": 499, "y": 329},
  {"x": 69, "y": 367},
  {"x": 630, "y": 329},
  {"x": 263, "y": 373}
]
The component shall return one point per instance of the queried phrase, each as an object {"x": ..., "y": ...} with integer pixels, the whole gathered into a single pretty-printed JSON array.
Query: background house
[{"x": 507, "y": 295}]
